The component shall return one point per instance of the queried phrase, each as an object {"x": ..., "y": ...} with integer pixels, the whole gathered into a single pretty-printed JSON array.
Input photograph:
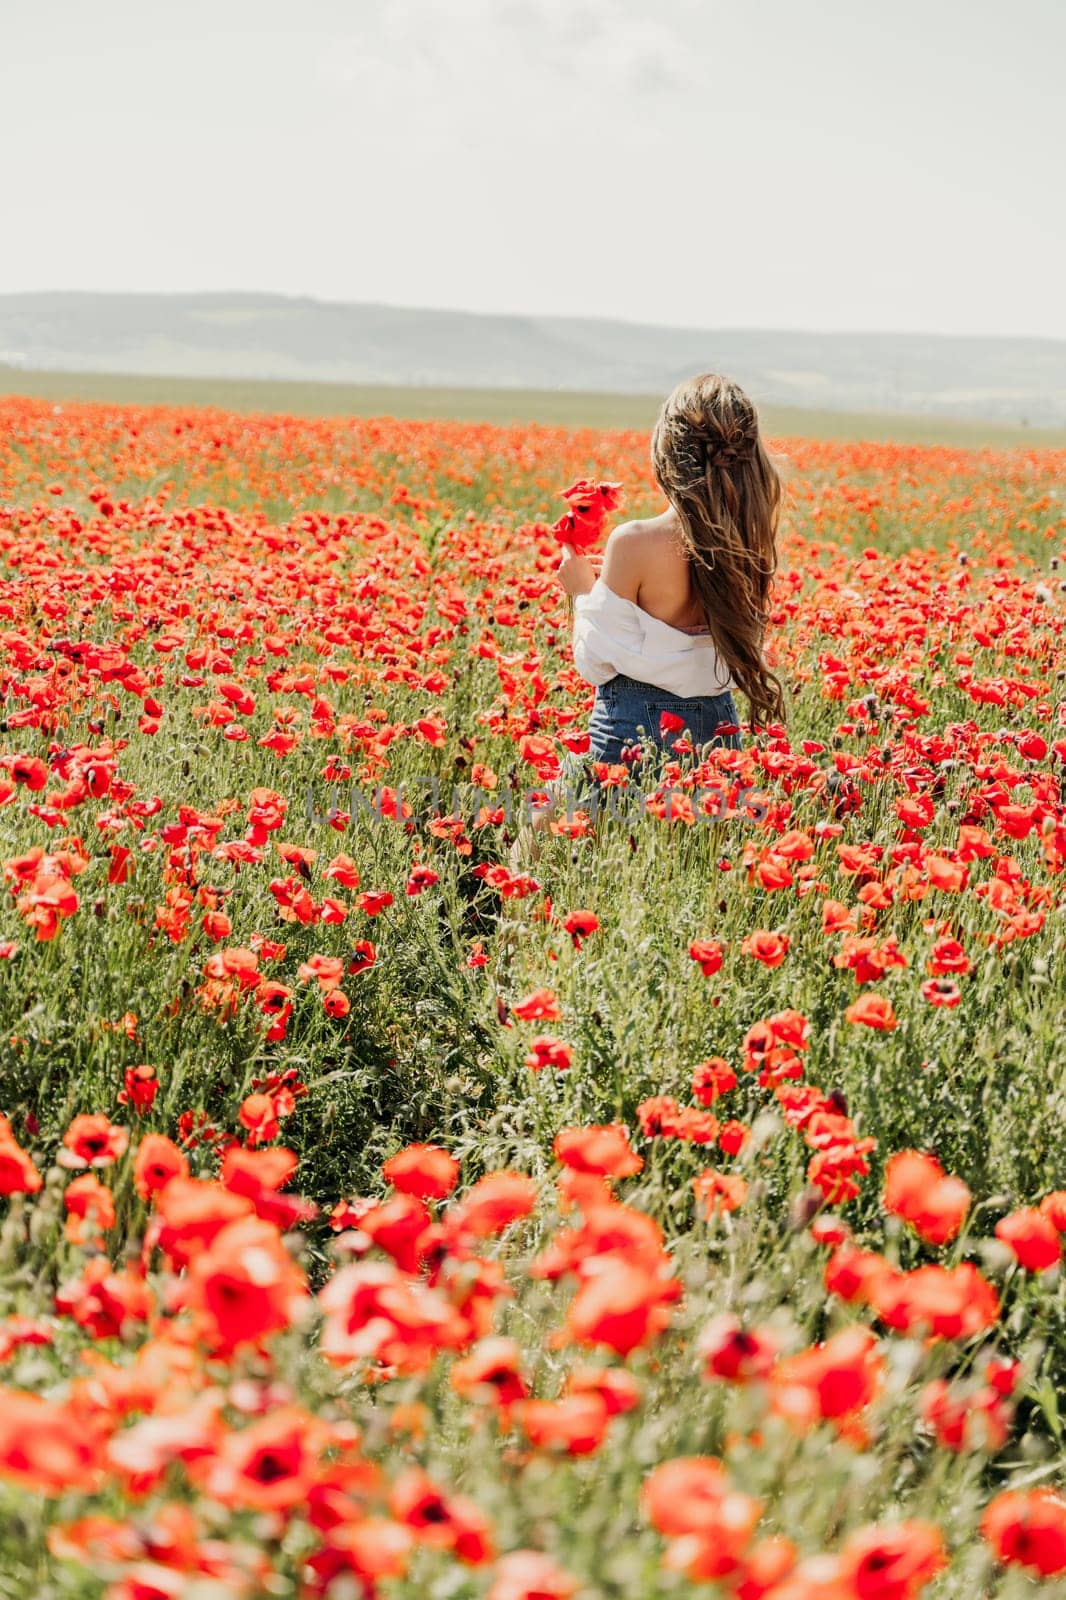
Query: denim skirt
[{"x": 627, "y": 711}]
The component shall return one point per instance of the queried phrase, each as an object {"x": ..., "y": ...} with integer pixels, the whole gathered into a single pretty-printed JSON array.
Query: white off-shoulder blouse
[{"x": 613, "y": 635}]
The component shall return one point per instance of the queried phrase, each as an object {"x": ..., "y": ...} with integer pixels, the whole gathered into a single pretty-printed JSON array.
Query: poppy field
[{"x": 394, "y": 1207}]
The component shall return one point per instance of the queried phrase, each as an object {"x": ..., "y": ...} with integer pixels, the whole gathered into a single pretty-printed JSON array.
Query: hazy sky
[{"x": 825, "y": 164}]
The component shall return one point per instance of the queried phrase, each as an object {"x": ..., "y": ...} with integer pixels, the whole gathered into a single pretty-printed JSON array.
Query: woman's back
[{"x": 647, "y": 563}]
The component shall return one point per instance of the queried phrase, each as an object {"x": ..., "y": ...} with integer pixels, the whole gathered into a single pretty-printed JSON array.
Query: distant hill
[{"x": 243, "y": 336}]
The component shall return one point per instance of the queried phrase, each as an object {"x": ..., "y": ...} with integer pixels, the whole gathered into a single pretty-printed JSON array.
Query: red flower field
[{"x": 388, "y": 1209}]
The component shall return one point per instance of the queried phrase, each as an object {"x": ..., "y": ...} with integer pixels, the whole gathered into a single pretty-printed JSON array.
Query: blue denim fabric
[{"x": 626, "y": 710}]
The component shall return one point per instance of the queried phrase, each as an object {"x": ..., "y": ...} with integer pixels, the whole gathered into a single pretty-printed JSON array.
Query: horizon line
[{"x": 530, "y": 316}]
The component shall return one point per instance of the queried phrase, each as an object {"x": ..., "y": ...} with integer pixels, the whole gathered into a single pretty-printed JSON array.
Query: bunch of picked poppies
[{"x": 590, "y": 504}]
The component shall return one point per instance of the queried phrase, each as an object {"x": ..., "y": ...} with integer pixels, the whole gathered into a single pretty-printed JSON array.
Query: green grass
[{"x": 571, "y": 409}]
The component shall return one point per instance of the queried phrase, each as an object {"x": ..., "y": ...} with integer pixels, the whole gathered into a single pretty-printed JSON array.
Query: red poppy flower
[
  {"x": 579, "y": 925},
  {"x": 93, "y": 1141},
  {"x": 941, "y": 992},
  {"x": 873, "y": 1011},
  {"x": 44, "y": 1449},
  {"x": 709, "y": 954},
  {"x": 423, "y": 1170},
  {"x": 837, "y": 1378},
  {"x": 491, "y": 1373},
  {"x": 946, "y": 958},
  {"x": 945, "y": 1303},
  {"x": 1027, "y": 1528},
  {"x": 140, "y": 1088},
  {"x": 615, "y": 1386},
  {"x": 259, "y": 1115},
  {"x": 893, "y": 1563},
  {"x": 1033, "y": 1238},
  {"x": 712, "y": 1078},
  {"x": 364, "y": 954},
  {"x": 546, "y": 1051},
  {"x": 439, "y": 1519},
  {"x": 271, "y": 1465},
  {"x": 732, "y": 1352},
  {"x": 360, "y": 1554},
  {"x": 769, "y": 948},
  {"x": 401, "y": 1227},
  {"x": 719, "y": 1192},
  {"x": 975, "y": 1419},
  {"x": 732, "y": 1137},
  {"x": 494, "y": 1202},
  {"x": 918, "y": 1190},
  {"x": 245, "y": 1284},
  {"x": 604, "y": 1151},
  {"x": 692, "y": 1497},
  {"x": 327, "y": 971},
  {"x": 1053, "y": 1207},
  {"x": 576, "y": 1424},
  {"x": 343, "y": 869},
  {"x": 105, "y": 1303},
  {"x": 540, "y": 1006},
  {"x": 590, "y": 504},
  {"x": 374, "y": 901},
  {"x": 18, "y": 1175},
  {"x": 90, "y": 1206},
  {"x": 622, "y": 1305}
]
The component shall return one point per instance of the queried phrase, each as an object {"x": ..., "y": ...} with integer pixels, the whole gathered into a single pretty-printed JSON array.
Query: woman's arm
[
  {"x": 620, "y": 566},
  {"x": 576, "y": 573},
  {"x": 624, "y": 559}
]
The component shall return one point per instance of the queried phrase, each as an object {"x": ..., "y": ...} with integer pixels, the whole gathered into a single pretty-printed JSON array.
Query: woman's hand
[{"x": 576, "y": 573}]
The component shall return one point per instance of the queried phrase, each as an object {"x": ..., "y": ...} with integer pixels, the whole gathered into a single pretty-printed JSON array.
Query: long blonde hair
[{"x": 713, "y": 467}]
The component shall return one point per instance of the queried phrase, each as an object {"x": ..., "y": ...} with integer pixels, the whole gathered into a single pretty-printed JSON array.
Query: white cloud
[{"x": 509, "y": 52}]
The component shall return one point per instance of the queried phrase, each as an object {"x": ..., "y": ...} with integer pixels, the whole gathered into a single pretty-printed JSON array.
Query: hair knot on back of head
[{"x": 725, "y": 453}]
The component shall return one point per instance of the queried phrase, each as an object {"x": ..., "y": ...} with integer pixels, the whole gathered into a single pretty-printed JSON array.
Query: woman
[{"x": 675, "y": 620}]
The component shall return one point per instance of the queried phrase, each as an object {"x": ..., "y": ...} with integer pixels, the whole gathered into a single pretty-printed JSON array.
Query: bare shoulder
[
  {"x": 645, "y": 533},
  {"x": 625, "y": 559},
  {"x": 635, "y": 552}
]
